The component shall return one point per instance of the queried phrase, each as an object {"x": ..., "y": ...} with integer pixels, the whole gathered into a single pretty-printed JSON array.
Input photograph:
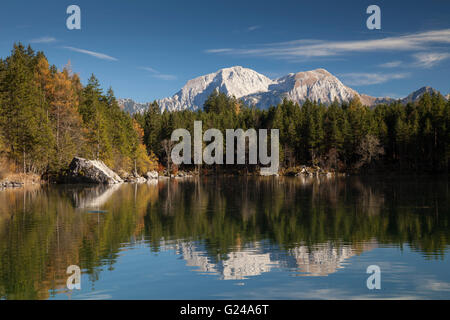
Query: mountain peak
[
  {"x": 256, "y": 89},
  {"x": 414, "y": 96},
  {"x": 234, "y": 81},
  {"x": 234, "y": 68}
]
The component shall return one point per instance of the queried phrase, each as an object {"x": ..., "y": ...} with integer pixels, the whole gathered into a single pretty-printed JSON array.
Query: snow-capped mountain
[
  {"x": 236, "y": 81},
  {"x": 131, "y": 106},
  {"x": 256, "y": 89},
  {"x": 316, "y": 85}
]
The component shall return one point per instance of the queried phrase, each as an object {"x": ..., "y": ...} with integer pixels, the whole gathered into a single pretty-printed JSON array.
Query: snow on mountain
[
  {"x": 316, "y": 85},
  {"x": 256, "y": 89},
  {"x": 131, "y": 106},
  {"x": 235, "y": 81}
]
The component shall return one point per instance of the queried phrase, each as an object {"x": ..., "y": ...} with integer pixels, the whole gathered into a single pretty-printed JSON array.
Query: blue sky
[{"x": 148, "y": 49}]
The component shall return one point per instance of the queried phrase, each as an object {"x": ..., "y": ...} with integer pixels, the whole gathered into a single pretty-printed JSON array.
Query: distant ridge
[
  {"x": 256, "y": 89},
  {"x": 416, "y": 95}
]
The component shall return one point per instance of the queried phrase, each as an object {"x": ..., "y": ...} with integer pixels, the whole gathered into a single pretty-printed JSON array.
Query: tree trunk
[{"x": 24, "y": 162}]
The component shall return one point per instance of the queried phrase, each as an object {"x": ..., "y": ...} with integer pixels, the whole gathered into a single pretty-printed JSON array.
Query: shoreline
[{"x": 19, "y": 181}]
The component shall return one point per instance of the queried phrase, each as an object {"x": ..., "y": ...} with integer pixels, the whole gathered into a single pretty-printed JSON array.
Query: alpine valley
[{"x": 256, "y": 89}]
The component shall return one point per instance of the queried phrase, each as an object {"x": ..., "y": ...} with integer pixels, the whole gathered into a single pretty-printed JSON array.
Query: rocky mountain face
[
  {"x": 416, "y": 95},
  {"x": 256, "y": 89},
  {"x": 316, "y": 85},
  {"x": 131, "y": 106},
  {"x": 236, "y": 81}
]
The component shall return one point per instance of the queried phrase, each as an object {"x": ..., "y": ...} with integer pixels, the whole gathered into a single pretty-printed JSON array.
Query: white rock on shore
[
  {"x": 151, "y": 175},
  {"x": 91, "y": 171}
]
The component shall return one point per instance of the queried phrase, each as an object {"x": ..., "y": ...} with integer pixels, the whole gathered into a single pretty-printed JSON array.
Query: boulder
[
  {"x": 151, "y": 175},
  {"x": 90, "y": 171},
  {"x": 137, "y": 180}
]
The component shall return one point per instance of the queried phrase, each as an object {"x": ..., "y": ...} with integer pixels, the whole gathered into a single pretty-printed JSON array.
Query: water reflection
[
  {"x": 255, "y": 259},
  {"x": 231, "y": 228}
]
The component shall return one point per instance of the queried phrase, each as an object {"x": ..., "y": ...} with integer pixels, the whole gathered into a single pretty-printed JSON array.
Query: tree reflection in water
[{"x": 233, "y": 227}]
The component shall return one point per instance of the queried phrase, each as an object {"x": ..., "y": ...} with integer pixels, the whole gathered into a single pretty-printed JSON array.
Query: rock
[
  {"x": 123, "y": 174},
  {"x": 141, "y": 180},
  {"x": 90, "y": 171},
  {"x": 267, "y": 173},
  {"x": 11, "y": 184},
  {"x": 151, "y": 175},
  {"x": 133, "y": 179},
  {"x": 135, "y": 175}
]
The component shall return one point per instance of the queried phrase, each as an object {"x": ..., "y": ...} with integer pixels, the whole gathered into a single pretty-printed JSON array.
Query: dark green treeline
[{"x": 344, "y": 137}]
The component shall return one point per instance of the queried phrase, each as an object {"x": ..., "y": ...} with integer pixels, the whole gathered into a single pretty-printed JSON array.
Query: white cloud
[
  {"x": 391, "y": 64},
  {"x": 253, "y": 28},
  {"x": 165, "y": 76},
  {"x": 149, "y": 69},
  {"x": 430, "y": 59},
  {"x": 323, "y": 48},
  {"x": 159, "y": 75},
  {"x": 43, "y": 40},
  {"x": 92, "y": 53},
  {"x": 219, "y": 50},
  {"x": 365, "y": 79}
]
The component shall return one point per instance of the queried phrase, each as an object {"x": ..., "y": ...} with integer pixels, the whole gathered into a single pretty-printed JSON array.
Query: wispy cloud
[
  {"x": 392, "y": 64},
  {"x": 322, "y": 48},
  {"x": 253, "y": 28},
  {"x": 430, "y": 59},
  {"x": 165, "y": 76},
  {"x": 159, "y": 75},
  {"x": 365, "y": 79},
  {"x": 43, "y": 40},
  {"x": 223, "y": 50},
  {"x": 149, "y": 69},
  {"x": 92, "y": 53}
]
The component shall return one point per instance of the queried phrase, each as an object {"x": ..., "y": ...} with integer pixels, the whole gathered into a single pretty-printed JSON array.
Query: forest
[
  {"x": 347, "y": 137},
  {"x": 47, "y": 116}
]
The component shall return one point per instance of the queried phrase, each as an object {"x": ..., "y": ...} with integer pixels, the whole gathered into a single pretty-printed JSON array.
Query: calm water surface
[{"x": 228, "y": 238}]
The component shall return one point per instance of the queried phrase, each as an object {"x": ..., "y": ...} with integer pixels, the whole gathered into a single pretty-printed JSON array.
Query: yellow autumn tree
[
  {"x": 59, "y": 96},
  {"x": 143, "y": 162}
]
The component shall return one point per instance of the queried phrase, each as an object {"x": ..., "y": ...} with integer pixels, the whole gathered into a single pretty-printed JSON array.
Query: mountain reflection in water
[{"x": 225, "y": 228}]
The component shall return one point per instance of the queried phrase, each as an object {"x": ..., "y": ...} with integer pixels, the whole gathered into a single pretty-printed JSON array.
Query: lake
[{"x": 229, "y": 238}]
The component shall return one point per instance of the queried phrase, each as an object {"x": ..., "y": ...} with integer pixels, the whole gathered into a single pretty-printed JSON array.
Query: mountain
[
  {"x": 236, "y": 81},
  {"x": 256, "y": 89},
  {"x": 131, "y": 106},
  {"x": 316, "y": 85},
  {"x": 416, "y": 95}
]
